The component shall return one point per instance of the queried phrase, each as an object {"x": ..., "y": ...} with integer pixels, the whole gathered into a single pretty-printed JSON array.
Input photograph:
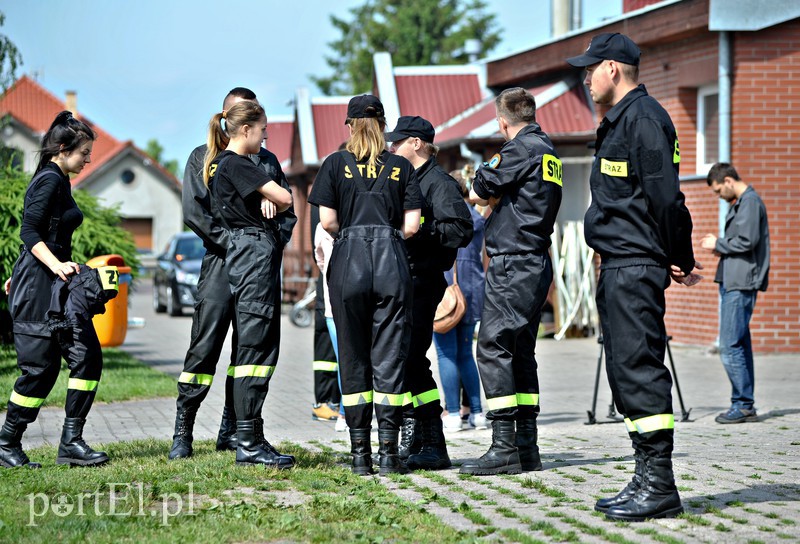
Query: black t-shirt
[
  {"x": 335, "y": 187},
  {"x": 234, "y": 188}
]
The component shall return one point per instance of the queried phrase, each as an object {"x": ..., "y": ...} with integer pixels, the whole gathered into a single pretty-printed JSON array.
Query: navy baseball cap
[
  {"x": 412, "y": 127},
  {"x": 608, "y": 46},
  {"x": 364, "y": 105}
]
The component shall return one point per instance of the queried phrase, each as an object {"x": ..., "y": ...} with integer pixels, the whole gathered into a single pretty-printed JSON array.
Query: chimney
[{"x": 71, "y": 102}]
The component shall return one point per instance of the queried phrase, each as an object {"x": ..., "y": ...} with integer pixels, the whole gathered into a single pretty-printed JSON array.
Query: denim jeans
[
  {"x": 457, "y": 366},
  {"x": 736, "y": 308},
  {"x": 332, "y": 332}
]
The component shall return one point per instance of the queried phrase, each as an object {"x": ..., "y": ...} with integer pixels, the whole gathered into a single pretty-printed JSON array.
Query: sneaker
[
  {"x": 323, "y": 412},
  {"x": 737, "y": 415},
  {"x": 452, "y": 423},
  {"x": 478, "y": 421},
  {"x": 341, "y": 425}
]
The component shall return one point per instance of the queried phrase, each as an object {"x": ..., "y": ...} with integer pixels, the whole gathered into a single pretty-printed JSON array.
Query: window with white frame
[{"x": 707, "y": 128}]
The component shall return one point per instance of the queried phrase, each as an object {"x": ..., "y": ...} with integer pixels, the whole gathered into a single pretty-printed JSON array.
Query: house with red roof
[{"x": 121, "y": 174}]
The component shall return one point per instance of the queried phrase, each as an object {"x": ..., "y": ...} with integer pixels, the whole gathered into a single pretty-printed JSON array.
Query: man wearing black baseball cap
[
  {"x": 445, "y": 226},
  {"x": 639, "y": 225}
]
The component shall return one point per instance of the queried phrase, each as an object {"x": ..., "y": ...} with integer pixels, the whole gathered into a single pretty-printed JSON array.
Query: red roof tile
[
  {"x": 437, "y": 97},
  {"x": 32, "y": 105},
  {"x": 279, "y": 140},
  {"x": 329, "y": 127}
]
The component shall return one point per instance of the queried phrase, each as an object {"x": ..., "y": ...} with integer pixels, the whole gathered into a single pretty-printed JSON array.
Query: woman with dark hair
[
  {"x": 49, "y": 218},
  {"x": 370, "y": 200},
  {"x": 245, "y": 200}
]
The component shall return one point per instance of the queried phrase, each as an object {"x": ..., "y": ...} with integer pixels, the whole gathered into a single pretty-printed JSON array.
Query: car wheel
[
  {"x": 173, "y": 306},
  {"x": 157, "y": 306},
  {"x": 300, "y": 316}
]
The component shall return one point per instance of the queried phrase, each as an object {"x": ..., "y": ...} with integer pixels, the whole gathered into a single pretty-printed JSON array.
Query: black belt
[
  {"x": 248, "y": 231},
  {"x": 370, "y": 231},
  {"x": 623, "y": 262}
]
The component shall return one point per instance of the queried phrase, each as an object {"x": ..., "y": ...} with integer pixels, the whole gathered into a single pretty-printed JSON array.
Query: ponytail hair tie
[{"x": 224, "y": 114}]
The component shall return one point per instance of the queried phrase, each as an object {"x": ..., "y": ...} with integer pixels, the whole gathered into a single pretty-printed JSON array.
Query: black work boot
[
  {"x": 629, "y": 491},
  {"x": 73, "y": 450},
  {"x": 182, "y": 439},
  {"x": 526, "y": 442},
  {"x": 11, "y": 453},
  {"x": 433, "y": 453},
  {"x": 361, "y": 449},
  {"x": 226, "y": 438},
  {"x": 502, "y": 457},
  {"x": 409, "y": 441},
  {"x": 657, "y": 498},
  {"x": 253, "y": 448},
  {"x": 390, "y": 462}
]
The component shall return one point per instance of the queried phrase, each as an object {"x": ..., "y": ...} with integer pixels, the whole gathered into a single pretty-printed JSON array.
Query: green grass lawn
[
  {"x": 207, "y": 499},
  {"x": 124, "y": 378}
]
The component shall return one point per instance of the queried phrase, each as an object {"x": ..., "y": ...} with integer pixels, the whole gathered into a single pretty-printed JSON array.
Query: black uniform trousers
[
  {"x": 212, "y": 317},
  {"x": 253, "y": 265},
  {"x": 515, "y": 293},
  {"x": 39, "y": 351},
  {"x": 429, "y": 289},
  {"x": 631, "y": 304},
  {"x": 371, "y": 295},
  {"x": 326, "y": 380}
]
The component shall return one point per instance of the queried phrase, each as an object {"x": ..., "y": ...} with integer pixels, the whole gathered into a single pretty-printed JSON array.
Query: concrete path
[{"x": 739, "y": 482}]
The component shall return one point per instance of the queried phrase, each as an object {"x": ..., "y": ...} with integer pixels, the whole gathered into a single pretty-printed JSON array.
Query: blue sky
[{"x": 159, "y": 69}]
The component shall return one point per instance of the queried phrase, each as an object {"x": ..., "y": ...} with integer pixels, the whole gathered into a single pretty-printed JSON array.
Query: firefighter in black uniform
[
  {"x": 639, "y": 225},
  {"x": 365, "y": 195},
  {"x": 214, "y": 309},
  {"x": 49, "y": 218},
  {"x": 445, "y": 226},
  {"x": 245, "y": 201},
  {"x": 522, "y": 184}
]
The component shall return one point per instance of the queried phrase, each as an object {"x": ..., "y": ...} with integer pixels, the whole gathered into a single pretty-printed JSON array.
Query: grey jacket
[{"x": 745, "y": 247}]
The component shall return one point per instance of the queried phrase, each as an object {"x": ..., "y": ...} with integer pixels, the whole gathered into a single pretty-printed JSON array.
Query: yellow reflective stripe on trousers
[
  {"x": 629, "y": 425},
  {"x": 426, "y": 397},
  {"x": 528, "y": 399},
  {"x": 657, "y": 422},
  {"x": 27, "y": 402},
  {"x": 195, "y": 379},
  {"x": 230, "y": 370},
  {"x": 253, "y": 371},
  {"x": 82, "y": 385},
  {"x": 354, "y": 399},
  {"x": 391, "y": 399},
  {"x": 502, "y": 402},
  {"x": 324, "y": 366}
]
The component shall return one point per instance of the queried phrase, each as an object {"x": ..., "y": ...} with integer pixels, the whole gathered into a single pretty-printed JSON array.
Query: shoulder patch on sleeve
[
  {"x": 495, "y": 161},
  {"x": 551, "y": 169}
]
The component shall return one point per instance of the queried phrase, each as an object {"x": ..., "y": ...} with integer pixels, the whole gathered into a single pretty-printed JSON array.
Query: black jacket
[
  {"x": 637, "y": 208},
  {"x": 526, "y": 178},
  {"x": 197, "y": 201},
  {"x": 445, "y": 225},
  {"x": 81, "y": 297}
]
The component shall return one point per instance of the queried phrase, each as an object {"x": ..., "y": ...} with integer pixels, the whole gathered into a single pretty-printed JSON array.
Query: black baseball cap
[
  {"x": 608, "y": 46},
  {"x": 412, "y": 127},
  {"x": 363, "y": 106}
]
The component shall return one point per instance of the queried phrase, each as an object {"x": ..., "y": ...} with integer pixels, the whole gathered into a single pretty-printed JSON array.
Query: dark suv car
[{"x": 176, "y": 274}]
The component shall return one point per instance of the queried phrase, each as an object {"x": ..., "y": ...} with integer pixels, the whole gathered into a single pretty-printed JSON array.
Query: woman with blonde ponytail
[
  {"x": 370, "y": 200},
  {"x": 245, "y": 201}
]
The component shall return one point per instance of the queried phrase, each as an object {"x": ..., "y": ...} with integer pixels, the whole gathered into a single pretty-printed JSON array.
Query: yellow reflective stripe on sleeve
[
  {"x": 426, "y": 397},
  {"x": 253, "y": 371},
  {"x": 27, "y": 402},
  {"x": 195, "y": 379},
  {"x": 502, "y": 402},
  {"x": 391, "y": 399},
  {"x": 82, "y": 385},
  {"x": 629, "y": 425},
  {"x": 230, "y": 370},
  {"x": 354, "y": 399},
  {"x": 528, "y": 399},
  {"x": 109, "y": 277},
  {"x": 324, "y": 366},
  {"x": 657, "y": 422},
  {"x": 552, "y": 169},
  {"x": 676, "y": 154}
]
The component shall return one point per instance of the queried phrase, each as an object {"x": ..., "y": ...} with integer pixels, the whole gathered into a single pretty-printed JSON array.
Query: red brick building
[{"x": 680, "y": 66}]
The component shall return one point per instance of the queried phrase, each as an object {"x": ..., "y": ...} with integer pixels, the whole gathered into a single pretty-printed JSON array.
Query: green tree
[
  {"x": 10, "y": 59},
  {"x": 416, "y": 33},
  {"x": 156, "y": 151}
]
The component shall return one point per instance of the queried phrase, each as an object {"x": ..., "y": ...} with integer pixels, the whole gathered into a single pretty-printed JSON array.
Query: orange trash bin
[{"x": 112, "y": 326}]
